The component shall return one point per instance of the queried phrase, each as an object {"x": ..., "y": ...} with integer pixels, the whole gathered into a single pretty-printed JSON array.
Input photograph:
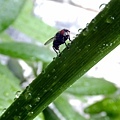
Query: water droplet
[
  {"x": 29, "y": 89},
  {"x": 17, "y": 94},
  {"x": 79, "y": 30},
  {"x": 95, "y": 28},
  {"x": 102, "y": 6},
  {"x": 85, "y": 32},
  {"x": 55, "y": 77},
  {"x": 87, "y": 24},
  {"x": 45, "y": 91},
  {"x": 8, "y": 112},
  {"x": 110, "y": 19},
  {"x": 107, "y": 45},
  {"x": 93, "y": 21},
  {"x": 28, "y": 96},
  {"x": 3, "y": 110},
  {"x": 43, "y": 72},
  {"x": 28, "y": 107},
  {"x": 89, "y": 45},
  {"x": 64, "y": 65},
  {"x": 110, "y": 44},
  {"x": 51, "y": 89},
  {"x": 48, "y": 75},
  {"x": 37, "y": 99},
  {"x": 77, "y": 35},
  {"x": 16, "y": 118},
  {"x": 53, "y": 70},
  {"x": 102, "y": 15},
  {"x": 30, "y": 113}
]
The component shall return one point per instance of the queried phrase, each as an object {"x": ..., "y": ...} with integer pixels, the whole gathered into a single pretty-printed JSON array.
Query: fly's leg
[
  {"x": 70, "y": 42},
  {"x": 58, "y": 52},
  {"x": 66, "y": 45}
]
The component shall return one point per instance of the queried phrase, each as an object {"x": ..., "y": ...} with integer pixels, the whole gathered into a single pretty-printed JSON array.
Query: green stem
[{"x": 99, "y": 38}]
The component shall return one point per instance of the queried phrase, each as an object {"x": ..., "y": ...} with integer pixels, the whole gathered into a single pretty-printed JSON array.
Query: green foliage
[
  {"x": 8, "y": 87},
  {"x": 91, "y": 86},
  {"x": 49, "y": 114},
  {"x": 66, "y": 109},
  {"x": 9, "y": 10},
  {"x": 99, "y": 38},
  {"x": 109, "y": 105},
  {"x": 26, "y": 51},
  {"x": 35, "y": 28}
]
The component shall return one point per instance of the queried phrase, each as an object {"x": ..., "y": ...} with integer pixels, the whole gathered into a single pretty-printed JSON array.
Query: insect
[{"x": 59, "y": 38}]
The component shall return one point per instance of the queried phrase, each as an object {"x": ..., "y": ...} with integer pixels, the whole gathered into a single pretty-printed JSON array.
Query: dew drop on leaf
[
  {"x": 79, "y": 30},
  {"x": 30, "y": 113},
  {"x": 4, "y": 109},
  {"x": 53, "y": 70},
  {"x": 17, "y": 118},
  {"x": 77, "y": 35},
  {"x": 37, "y": 99},
  {"x": 110, "y": 44},
  {"x": 110, "y": 19},
  {"x": 93, "y": 21},
  {"x": 102, "y": 6},
  {"x": 17, "y": 94},
  {"x": 48, "y": 75},
  {"x": 28, "y": 107},
  {"x": 45, "y": 91},
  {"x": 55, "y": 77},
  {"x": 28, "y": 95},
  {"x": 29, "y": 89},
  {"x": 51, "y": 89},
  {"x": 43, "y": 72},
  {"x": 95, "y": 28},
  {"x": 85, "y": 32}
]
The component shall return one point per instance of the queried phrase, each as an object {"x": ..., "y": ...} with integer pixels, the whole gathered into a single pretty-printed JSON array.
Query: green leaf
[
  {"x": 100, "y": 37},
  {"x": 99, "y": 117},
  {"x": 15, "y": 68},
  {"x": 9, "y": 85},
  {"x": 109, "y": 105},
  {"x": 33, "y": 26},
  {"x": 6, "y": 72},
  {"x": 104, "y": 117},
  {"x": 49, "y": 114},
  {"x": 26, "y": 51},
  {"x": 66, "y": 109},
  {"x": 91, "y": 86},
  {"x": 9, "y": 10}
]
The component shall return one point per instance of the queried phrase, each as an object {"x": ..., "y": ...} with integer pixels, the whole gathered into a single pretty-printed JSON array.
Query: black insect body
[{"x": 60, "y": 38}]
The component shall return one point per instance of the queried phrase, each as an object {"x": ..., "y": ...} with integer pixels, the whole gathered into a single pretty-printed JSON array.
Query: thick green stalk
[{"x": 99, "y": 38}]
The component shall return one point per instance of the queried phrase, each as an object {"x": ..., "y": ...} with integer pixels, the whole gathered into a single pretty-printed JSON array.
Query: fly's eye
[{"x": 66, "y": 33}]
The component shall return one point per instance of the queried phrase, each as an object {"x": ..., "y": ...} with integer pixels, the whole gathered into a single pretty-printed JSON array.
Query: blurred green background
[{"x": 23, "y": 56}]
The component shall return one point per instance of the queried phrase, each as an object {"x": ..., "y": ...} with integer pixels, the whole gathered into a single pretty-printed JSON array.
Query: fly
[{"x": 59, "y": 38}]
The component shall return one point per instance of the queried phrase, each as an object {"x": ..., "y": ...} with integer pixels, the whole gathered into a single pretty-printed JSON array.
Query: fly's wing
[{"x": 50, "y": 40}]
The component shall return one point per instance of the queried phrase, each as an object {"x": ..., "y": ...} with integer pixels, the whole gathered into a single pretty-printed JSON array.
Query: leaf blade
[
  {"x": 26, "y": 51},
  {"x": 91, "y": 86},
  {"x": 9, "y": 10}
]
